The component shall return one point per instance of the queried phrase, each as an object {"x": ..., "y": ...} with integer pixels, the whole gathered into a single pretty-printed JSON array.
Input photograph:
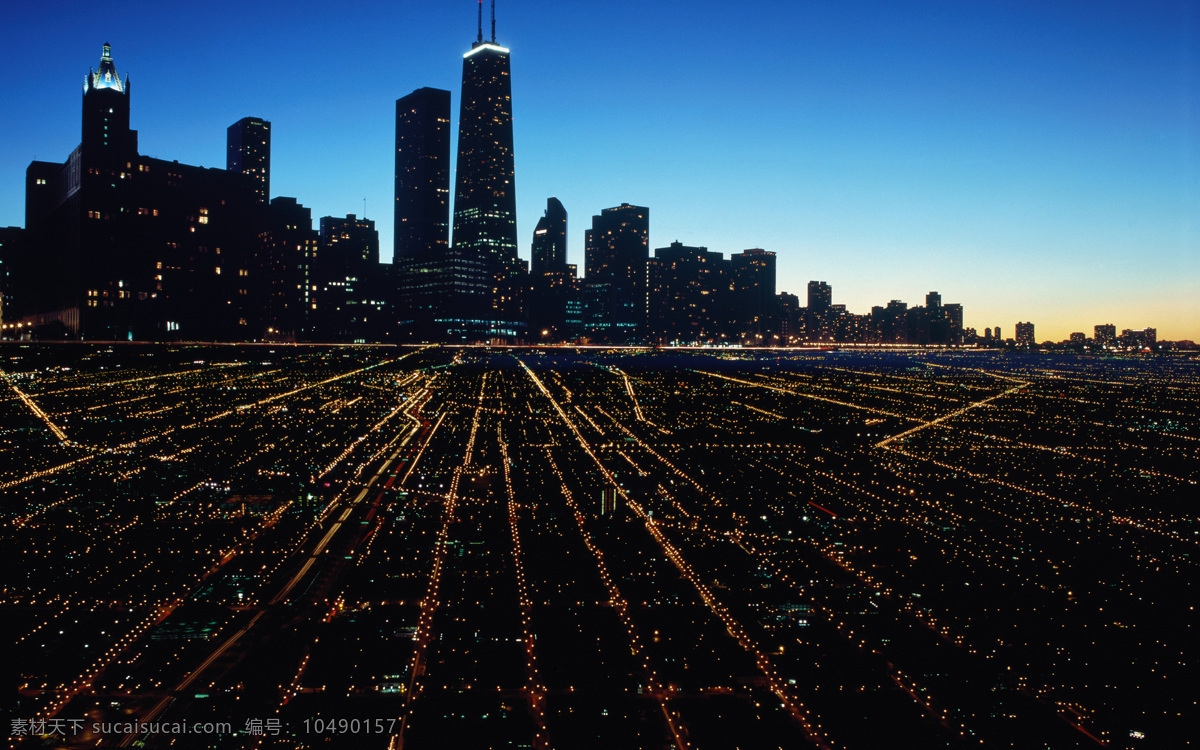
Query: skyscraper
[
  {"x": 349, "y": 289},
  {"x": 422, "y": 173},
  {"x": 817, "y": 323},
  {"x": 689, "y": 295},
  {"x": 485, "y": 203},
  {"x": 106, "y": 111},
  {"x": 616, "y": 253},
  {"x": 283, "y": 270},
  {"x": 552, "y": 288},
  {"x": 124, "y": 246},
  {"x": 1025, "y": 334},
  {"x": 753, "y": 303},
  {"x": 550, "y": 240},
  {"x": 248, "y": 150}
]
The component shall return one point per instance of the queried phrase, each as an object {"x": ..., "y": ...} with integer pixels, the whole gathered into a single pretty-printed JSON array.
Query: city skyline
[{"x": 1118, "y": 229}]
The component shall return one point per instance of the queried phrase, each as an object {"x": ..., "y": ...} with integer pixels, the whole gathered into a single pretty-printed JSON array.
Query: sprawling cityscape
[
  {"x": 548, "y": 547},
  {"x": 260, "y": 488}
]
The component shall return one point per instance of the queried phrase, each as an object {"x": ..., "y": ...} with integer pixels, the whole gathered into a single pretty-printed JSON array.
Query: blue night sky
[{"x": 1033, "y": 161}]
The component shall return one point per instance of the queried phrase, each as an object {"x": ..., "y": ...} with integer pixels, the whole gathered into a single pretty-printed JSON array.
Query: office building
[
  {"x": 553, "y": 289},
  {"x": 422, "y": 211},
  {"x": 616, "y": 254},
  {"x": 485, "y": 203},
  {"x": 1025, "y": 337},
  {"x": 1105, "y": 334},
  {"x": 818, "y": 317},
  {"x": 689, "y": 295},
  {"x": 549, "y": 252},
  {"x": 351, "y": 287},
  {"x": 248, "y": 151},
  {"x": 123, "y": 246},
  {"x": 1142, "y": 338},
  {"x": 284, "y": 273},
  {"x": 752, "y": 277}
]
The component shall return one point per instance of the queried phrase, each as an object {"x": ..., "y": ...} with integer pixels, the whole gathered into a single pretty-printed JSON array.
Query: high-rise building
[
  {"x": 248, "y": 151},
  {"x": 789, "y": 318},
  {"x": 485, "y": 202},
  {"x": 549, "y": 253},
  {"x": 953, "y": 315},
  {"x": 422, "y": 174},
  {"x": 820, "y": 296},
  {"x": 1025, "y": 336},
  {"x": 893, "y": 325},
  {"x": 1105, "y": 334},
  {"x": 1141, "y": 337},
  {"x": 616, "y": 253},
  {"x": 284, "y": 271},
  {"x": 818, "y": 323},
  {"x": 10, "y": 256},
  {"x": 689, "y": 295},
  {"x": 348, "y": 295},
  {"x": 106, "y": 111},
  {"x": 123, "y": 246},
  {"x": 553, "y": 287},
  {"x": 753, "y": 296},
  {"x": 475, "y": 289}
]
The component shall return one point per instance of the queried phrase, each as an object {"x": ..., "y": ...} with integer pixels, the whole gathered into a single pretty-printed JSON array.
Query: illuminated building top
[{"x": 106, "y": 77}]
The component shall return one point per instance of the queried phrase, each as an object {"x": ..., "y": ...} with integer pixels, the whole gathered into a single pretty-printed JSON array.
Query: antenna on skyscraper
[
  {"x": 493, "y": 21},
  {"x": 479, "y": 36}
]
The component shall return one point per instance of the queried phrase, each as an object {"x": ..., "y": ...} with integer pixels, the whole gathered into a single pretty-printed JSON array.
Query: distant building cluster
[{"x": 120, "y": 246}]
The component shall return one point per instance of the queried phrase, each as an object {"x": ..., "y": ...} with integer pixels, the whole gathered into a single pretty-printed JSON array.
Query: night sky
[{"x": 1033, "y": 161}]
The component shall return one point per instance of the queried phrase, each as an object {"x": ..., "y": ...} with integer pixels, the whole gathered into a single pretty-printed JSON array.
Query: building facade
[
  {"x": 121, "y": 246},
  {"x": 248, "y": 151},
  {"x": 422, "y": 211},
  {"x": 616, "y": 256},
  {"x": 485, "y": 199}
]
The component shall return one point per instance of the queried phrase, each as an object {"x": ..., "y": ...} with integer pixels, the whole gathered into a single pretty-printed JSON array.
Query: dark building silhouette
[
  {"x": 1139, "y": 337},
  {"x": 1105, "y": 334},
  {"x": 422, "y": 174},
  {"x": 553, "y": 292},
  {"x": 952, "y": 313},
  {"x": 689, "y": 295},
  {"x": 818, "y": 324},
  {"x": 752, "y": 273},
  {"x": 11, "y": 255},
  {"x": 1025, "y": 336},
  {"x": 616, "y": 253},
  {"x": 549, "y": 254},
  {"x": 284, "y": 272},
  {"x": 106, "y": 110},
  {"x": 476, "y": 290},
  {"x": 122, "y": 246},
  {"x": 893, "y": 327},
  {"x": 351, "y": 285},
  {"x": 789, "y": 316},
  {"x": 485, "y": 202},
  {"x": 248, "y": 151}
]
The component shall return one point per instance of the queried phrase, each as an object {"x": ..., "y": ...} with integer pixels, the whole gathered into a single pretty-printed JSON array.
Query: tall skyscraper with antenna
[{"x": 485, "y": 203}]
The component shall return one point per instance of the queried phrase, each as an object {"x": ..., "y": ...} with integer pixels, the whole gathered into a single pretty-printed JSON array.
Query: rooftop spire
[
  {"x": 106, "y": 77},
  {"x": 493, "y": 21},
  {"x": 479, "y": 36}
]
